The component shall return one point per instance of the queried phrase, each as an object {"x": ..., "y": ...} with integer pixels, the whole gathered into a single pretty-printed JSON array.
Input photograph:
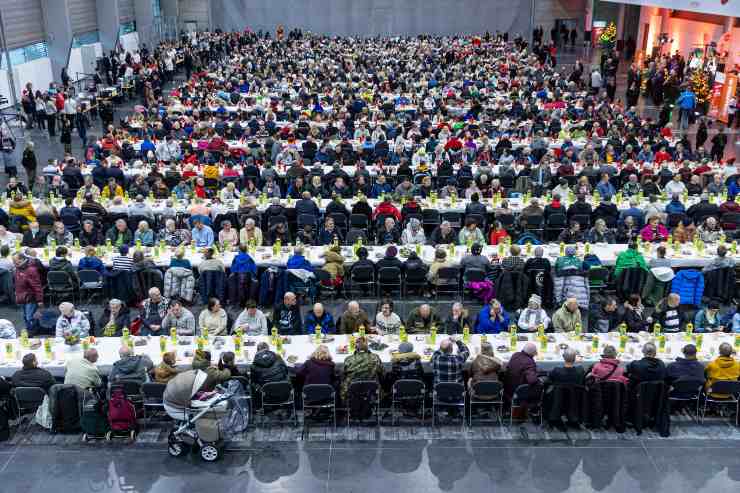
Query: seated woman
[
  {"x": 600, "y": 233},
  {"x": 386, "y": 320},
  {"x": 144, "y": 235},
  {"x": 708, "y": 319},
  {"x": 318, "y": 369},
  {"x": 413, "y": 234},
  {"x": 634, "y": 314},
  {"x": 213, "y": 317},
  {"x": 114, "y": 319},
  {"x": 533, "y": 316},
  {"x": 654, "y": 231},
  {"x": 485, "y": 368}
]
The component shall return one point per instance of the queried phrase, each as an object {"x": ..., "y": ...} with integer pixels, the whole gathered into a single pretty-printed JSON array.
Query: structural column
[
  {"x": 58, "y": 34},
  {"x": 620, "y": 21},
  {"x": 109, "y": 22}
]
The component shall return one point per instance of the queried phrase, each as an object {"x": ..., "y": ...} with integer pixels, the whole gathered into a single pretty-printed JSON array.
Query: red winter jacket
[{"x": 28, "y": 285}]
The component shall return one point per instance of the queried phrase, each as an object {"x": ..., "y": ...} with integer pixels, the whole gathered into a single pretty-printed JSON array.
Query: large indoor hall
[{"x": 343, "y": 246}]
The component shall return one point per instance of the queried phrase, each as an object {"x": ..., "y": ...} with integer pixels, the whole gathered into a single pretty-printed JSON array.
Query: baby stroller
[{"x": 202, "y": 419}]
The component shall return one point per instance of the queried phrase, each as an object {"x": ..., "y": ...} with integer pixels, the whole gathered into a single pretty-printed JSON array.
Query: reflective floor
[{"x": 411, "y": 466}]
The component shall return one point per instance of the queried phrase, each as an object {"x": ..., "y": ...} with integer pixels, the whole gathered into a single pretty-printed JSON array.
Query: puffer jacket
[
  {"x": 29, "y": 287},
  {"x": 268, "y": 367},
  {"x": 689, "y": 285},
  {"x": 163, "y": 373},
  {"x": 485, "y": 369},
  {"x": 406, "y": 366},
  {"x": 608, "y": 369},
  {"x": 131, "y": 369},
  {"x": 572, "y": 287},
  {"x": 179, "y": 283},
  {"x": 334, "y": 264}
]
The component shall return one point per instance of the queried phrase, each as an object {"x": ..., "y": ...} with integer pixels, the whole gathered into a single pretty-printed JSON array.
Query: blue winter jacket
[
  {"x": 299, "y": 262},
  {"x": 689, "y": 285},
  {"x": 686, "y": 101},
  {"x": 675, "y": 207},
  {"x": 326, "y": 323},
  {"x": 243, "y": 263},
  {"x": 484, "y": 324}
]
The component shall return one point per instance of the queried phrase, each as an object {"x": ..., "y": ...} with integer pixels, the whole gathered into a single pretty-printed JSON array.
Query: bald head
[
  {"x": 530, "y": 349},
  {"x": 91, "y": 355}
]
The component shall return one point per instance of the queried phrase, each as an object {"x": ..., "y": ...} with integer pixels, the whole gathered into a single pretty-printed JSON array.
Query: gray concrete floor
[{"x": 413, "y": 466}]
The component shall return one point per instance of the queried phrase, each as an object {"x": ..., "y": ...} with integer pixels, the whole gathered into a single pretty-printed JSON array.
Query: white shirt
[
  {"x": 675, "y": 187},
  {"x": 70, "y": 106}
]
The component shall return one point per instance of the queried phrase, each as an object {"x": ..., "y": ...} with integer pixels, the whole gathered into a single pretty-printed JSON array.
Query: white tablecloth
[
  {"x": 301, "y": 348},
  {"x": 263, "y": 256}
]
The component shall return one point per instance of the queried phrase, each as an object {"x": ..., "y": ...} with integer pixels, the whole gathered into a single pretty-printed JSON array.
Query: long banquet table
[
  {"x": 686, "y": 257},
  {"x": 299, "y": 349}
]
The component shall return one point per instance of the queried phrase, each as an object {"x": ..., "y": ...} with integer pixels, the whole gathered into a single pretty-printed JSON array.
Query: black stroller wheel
[{"x": 177, "y": 449}]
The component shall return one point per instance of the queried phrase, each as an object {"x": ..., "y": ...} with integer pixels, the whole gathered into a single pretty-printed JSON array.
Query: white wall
[
  {"x": 130, "y": 41},
  {"x": 37, "y": 72},
  {"x": 75, "y": 60}
]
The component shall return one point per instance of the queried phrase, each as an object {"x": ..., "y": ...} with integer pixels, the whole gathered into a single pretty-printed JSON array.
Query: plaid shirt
[
  {"x": 449, "y": 367},
  {"x": 512, "y": 263}
]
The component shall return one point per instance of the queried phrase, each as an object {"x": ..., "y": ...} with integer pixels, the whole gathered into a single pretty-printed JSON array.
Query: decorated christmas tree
[
  {"x": 608, "y": 38},
  {"x": 700, "y": 85}
]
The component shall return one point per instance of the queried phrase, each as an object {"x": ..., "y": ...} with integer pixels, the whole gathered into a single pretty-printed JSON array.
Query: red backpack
[{"x": 121, "y": 412}]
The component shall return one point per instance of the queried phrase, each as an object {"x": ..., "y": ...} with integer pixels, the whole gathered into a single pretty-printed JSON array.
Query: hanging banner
[
  {"x": 716, "y": 95},
  {"x": 728, "y": 91}
]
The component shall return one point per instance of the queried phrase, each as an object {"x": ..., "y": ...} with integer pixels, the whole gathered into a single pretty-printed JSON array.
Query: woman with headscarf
[
  {"x": 413, "y": 234},
  {"x": 533, "y": 316}
]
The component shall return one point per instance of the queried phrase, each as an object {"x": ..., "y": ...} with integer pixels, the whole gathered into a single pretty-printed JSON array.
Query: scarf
[{"x": 529, "y": 312}]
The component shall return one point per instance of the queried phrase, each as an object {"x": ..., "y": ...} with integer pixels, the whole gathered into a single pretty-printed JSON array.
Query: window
[
  {"x": 127, "y": 28},
  {"x": 85, "y": 39},
  {"x": 26, "y": 54},
  {"x": 156, "y": 9}
]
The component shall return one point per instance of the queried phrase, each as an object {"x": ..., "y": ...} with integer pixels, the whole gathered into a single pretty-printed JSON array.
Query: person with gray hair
[
  {"x": 250, "y": 233},
  {"x": 413, "y": 234},
  {"x": 647, "y": 369},
  {"x": 72, "y": 322},
  {"x": 446, "y": 365},
  {"x": 172, "y": 236},
  {"x": 83, "y": 372},
  {"x": 569, "y": 373},
  {"x": 443, "y": 235},
  {"x": 521, "y": 370},
  {"x": 130, "y": 367}
]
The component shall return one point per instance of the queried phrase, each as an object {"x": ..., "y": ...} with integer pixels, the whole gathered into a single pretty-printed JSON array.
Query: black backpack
[{"x": 66, "y": 412}]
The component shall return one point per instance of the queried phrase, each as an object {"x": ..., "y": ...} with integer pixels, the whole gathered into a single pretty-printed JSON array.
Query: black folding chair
[
  {"x": 486, "y": 394},
  {"x": 319, "y": 397},
  {"x": 731, "y": 388},
  {"x": 405, "y": 392},
  {"x": 686, "y": 391},
  {"x": 153, "y": 399},
  {"x": 364, "y": 390},
  {"x": 448, "y": 281},
  {"x": 91, "y": 282},
  {"x": 61, "y": 286},
  {"x": 27, "y": 401},
  {"x": 449, "y": 395},
  {"x": 361, "y": 279},
  {"x": 522, "y": 398},
  {"x": 278, "y": 394},
  {"x": 389, "y": 280}
]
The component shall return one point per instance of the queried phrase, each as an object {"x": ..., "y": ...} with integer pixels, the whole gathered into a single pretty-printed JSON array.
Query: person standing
[
  {"x": 82, "y": 123},
  {"x": 29, "y": 163},
  {"x": 51, "y": 116},
  {"x": 29, "y": 290},
  {"x": 686, "y": 103}
]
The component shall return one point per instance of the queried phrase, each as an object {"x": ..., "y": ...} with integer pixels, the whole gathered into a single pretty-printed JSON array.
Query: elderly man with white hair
[
  {"x": 173, "y": 236},
  {"x": 354, "y": 318},
  {"x": 83, "y": 372},
  {"x": 250, "y": 232},
  {"x": 72, "y": 322}
]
